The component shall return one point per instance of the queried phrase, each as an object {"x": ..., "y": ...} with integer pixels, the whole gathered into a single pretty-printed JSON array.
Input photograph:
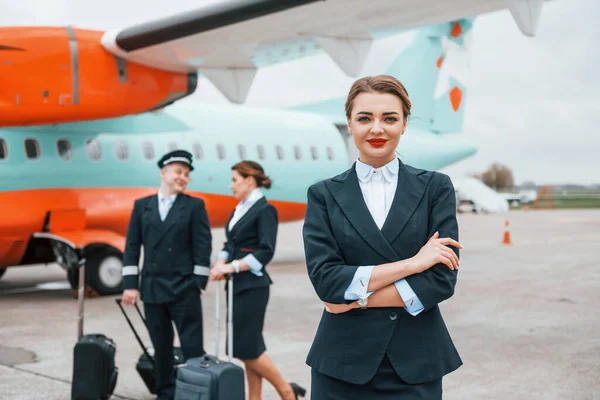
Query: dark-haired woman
[{"x": 251, "y": 235}]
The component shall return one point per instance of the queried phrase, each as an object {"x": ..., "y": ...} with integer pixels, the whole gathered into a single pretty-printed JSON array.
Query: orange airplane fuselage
[
  {"x": 62, "y": 74},
  {"x": 99, "y": 209}
]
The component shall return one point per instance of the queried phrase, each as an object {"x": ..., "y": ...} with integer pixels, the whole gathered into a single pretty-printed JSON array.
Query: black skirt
[
  {"x": 249, "y": 308},
  {"x": 385, "y": 385}
]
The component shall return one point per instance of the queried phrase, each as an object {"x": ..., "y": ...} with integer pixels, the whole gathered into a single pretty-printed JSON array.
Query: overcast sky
[{"x": 532, "y": 103}]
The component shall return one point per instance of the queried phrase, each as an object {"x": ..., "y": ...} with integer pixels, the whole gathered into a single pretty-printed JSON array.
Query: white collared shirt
[
  {"x": 165, "y": 204},
  {"x": 242, "y": 208},
  {"x": 378, "y": 186}
]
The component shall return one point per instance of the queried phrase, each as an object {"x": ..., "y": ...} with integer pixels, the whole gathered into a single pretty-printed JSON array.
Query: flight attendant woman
[
  {"x": 251, "y": 234},
  {"x": 381, "y": 249}
]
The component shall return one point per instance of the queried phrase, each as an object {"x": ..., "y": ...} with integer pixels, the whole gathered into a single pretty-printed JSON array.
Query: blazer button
[
  {"x": 169, "y": 249},
  {"x": 393, "y": 316}
]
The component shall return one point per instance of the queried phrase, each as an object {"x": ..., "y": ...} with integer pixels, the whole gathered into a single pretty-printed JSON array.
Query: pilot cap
[{"x": 179, "y": 156}]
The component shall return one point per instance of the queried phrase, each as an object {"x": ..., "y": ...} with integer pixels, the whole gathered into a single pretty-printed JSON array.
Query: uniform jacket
[
  {"x": 255, "y": 233},
  {"x": 176, "y": 252},
  {"x": 339, "y": 236}
]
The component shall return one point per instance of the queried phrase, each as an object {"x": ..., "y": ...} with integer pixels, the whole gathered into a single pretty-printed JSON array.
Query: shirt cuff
[
  {"x": 254, "y": 264},
  {"x": 360, "y": 283},
  {"x": 224, "y": 255},
  {"x": 412, "y": 304}
]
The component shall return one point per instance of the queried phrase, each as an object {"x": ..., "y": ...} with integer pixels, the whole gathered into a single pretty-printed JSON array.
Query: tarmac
[{"x": 525, "y": 317}]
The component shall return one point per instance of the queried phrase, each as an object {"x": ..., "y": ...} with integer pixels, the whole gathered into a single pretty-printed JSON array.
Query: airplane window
[
  {"x": 93, "y": 149},
  {"x": 32, "y": 148},
  {"x": 241, "y": 151},
  {"x": 198, "y": 153},
  {"x": 3, "y": 149},
  {"x": 148, "y": 150},
  {"x": 279, "y": 151},
  {"x": 329, "y": 153},
  {"x": 298, "y": 152},
  {"x": 261, "y": 151},
  {"x": 121, "y": 150},
  {"x": 63, "y": 146},
  {"x": 173, "y": 146},
  {"x": 313, "y": 152},
  {"x": 221, "y": 151}
]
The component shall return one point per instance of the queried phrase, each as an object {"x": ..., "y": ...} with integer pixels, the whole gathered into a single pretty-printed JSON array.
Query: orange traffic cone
[{"x": 506, "y": 234}]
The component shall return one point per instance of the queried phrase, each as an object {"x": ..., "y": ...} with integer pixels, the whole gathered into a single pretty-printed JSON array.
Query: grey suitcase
[{"x": 208, "y": 377}]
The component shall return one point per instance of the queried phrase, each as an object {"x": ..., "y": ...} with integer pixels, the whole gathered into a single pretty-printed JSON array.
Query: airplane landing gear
[
  {"x": 103, "y": 263},
  {"x": 103, "y": 267}
]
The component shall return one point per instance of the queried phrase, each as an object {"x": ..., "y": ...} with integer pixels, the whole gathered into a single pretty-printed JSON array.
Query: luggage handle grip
[{"x": 139, "y": 340}]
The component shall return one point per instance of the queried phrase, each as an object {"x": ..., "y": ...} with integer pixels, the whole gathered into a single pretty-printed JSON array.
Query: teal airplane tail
[{"x": 433, "y": 70}]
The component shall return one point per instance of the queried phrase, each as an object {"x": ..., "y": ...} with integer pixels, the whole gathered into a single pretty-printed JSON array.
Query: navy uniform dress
[
  {"x": 380, "y": 353},
  {"x": 251, "y": 235},
  {"x": 175, "y": 269}
]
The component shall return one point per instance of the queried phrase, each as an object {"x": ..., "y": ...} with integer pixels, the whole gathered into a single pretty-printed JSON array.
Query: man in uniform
[{"x": 174, "y": 230}]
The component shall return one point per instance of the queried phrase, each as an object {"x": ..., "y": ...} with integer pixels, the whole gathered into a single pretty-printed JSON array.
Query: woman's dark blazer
[
  {"x": 255, "y": 233},
  {"x": 339, "y": 236}
]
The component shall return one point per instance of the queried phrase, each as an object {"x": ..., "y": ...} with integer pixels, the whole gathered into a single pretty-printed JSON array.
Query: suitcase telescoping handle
[
  {"x": 139, "y": 340},
  {"x": 80, "y": 296},
  {"x": 229, "y": 318}
]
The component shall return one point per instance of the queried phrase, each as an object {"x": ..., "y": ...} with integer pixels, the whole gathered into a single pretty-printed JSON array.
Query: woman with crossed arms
[{"x": 381, "y": 249}]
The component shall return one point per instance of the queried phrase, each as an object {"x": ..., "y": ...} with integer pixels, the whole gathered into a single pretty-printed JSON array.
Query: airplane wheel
[{"x": 103, "y": 270}]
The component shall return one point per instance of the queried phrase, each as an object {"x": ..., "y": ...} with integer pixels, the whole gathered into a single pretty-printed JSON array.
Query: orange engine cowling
[{"x": 53, "y": 75}]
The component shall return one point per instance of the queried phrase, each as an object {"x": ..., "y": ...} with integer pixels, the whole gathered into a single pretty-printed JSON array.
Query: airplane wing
[{"x": 229, "y": 40}]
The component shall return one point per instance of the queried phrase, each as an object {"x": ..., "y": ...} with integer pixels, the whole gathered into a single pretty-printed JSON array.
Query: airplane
[
  {"x": 71, "y": 170},
  {"x": 66, "y": 74}
]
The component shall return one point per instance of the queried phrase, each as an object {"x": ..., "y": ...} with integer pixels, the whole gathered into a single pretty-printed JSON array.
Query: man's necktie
[{"x": 167, "y": 202}]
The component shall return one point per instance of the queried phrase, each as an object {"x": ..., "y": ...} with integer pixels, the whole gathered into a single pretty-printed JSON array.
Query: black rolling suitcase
[
  {"x": 145, "y": 364},
  {"x": 94, "y": 370},
  {"x": 208, "y": 377}
]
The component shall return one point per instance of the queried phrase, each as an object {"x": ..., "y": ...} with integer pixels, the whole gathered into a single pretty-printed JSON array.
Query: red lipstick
[{"x": 377, "y": 142}]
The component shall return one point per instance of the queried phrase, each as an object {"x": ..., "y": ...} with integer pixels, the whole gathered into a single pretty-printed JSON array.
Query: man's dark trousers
[{"x": 186, "y": 313}]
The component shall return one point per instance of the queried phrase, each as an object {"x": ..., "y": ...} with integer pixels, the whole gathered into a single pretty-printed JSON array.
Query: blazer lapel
[
  {"x": 255, "y": 207},
  {"x": 409, "y": 192},
  {"x": 346, "y": 192},
  {"x": 172, "y": 216},
  {"x": 153, "y": 214},
  {"x": 227, "y": 232}
]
